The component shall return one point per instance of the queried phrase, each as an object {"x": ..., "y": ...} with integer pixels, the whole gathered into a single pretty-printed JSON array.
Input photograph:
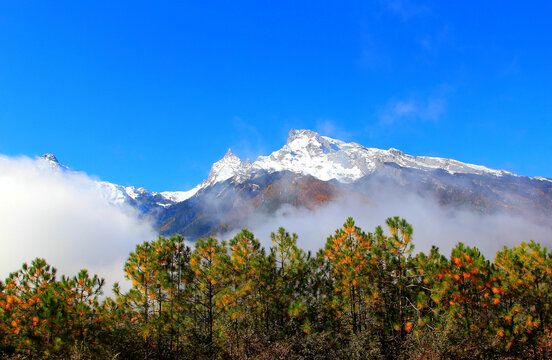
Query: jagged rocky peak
[
  {"x": 49, "y": 160},
  {"x": 230, "y": 154},
  {"x": 304, "y": 136},
  {"x": 310, "y": 143},
  {"x": 309, "y": 153},
  {"x": 50, "y": 157},
  {"x": 229, "y": 166},
  {"x": 229, "y": 160},
  {"x": 295, "y": 134}
]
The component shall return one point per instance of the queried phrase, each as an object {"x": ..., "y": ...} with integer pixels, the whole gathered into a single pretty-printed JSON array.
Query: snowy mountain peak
[
  {"x": 309, "y": 153},
  {"x": 309, "y": 143},
  {"x": 50, "y": 157},
  {"x": 50, "y": 161},
  {"x": 227, "y": 167},
  {"x": 229, "y": 153},
  {"x": 301, "y": 134}
]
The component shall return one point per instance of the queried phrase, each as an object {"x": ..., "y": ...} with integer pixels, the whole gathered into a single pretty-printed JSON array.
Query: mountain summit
[
  {"x": 228, "y": 167},
  {"x": 50, "y": 161},
  {"x": 50, "y": 157},
  {"x": 309, "y": 153}
]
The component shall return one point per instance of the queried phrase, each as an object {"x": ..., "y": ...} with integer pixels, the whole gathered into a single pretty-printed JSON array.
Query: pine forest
[{"x": 365, "y": 295}]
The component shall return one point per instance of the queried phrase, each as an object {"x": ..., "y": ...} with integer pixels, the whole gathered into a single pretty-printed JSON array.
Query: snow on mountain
[
  {"x": 229, "y": 166},
  {"x": 118, "y": 194},
  {"x": 305, "y": 152},
  {"x": 113, "y": 193},
  {"x": 179, "y": 196},
  {"x": 135, "y": 193},
  {"x": 542, "y": 178},
  {"x": 308, "y": 153},
  {"x": 52, "y": 162}
]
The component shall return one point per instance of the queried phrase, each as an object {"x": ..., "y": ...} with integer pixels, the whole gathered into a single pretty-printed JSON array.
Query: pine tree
[
  {"x": 288, "y": 290},
  {"x": 349, "y": 251},
  {"x": 467, "y": 293},
  {"x": 209, "y": 263},
  {"x": 31, "y": 308},
  {"x": 247, "y": 298},
  {"x": 393, "y": 276},
  {"x": 51, "y": 318},
  {"x": 82, "y": 318},
  {"x": 524, "y": 319}
]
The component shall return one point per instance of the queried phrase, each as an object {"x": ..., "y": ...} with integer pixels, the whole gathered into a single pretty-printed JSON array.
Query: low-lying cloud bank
[
  {"x": 433, "y": 224},
  {"x": 64, "y": 218}
]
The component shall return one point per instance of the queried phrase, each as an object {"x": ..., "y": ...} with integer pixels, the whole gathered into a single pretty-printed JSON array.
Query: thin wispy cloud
[
  {"x": 331, "y": 128},
  {"x": 433, "y": 224},
  {"x": 415, "y": 108},
  {"x": 405, "y": 9},
  {"x": 412, "y": 110},
  {"x": 422, "y": 43},
  {"x": 431, "y": 42},
  {"x": 372, "y": 54},
  {"x": 250, "y": 144}
]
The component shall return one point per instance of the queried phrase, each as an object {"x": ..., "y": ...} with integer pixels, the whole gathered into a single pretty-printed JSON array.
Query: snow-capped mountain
[
  {"x": 50, "y": 161},
  {"x": 230, "y": 166},
  {"x": 310, "y": 170},
  {"x": 308, "y": 153},
  {"x": 324, "y": 158},
  {"x": 140, "y": 198}
]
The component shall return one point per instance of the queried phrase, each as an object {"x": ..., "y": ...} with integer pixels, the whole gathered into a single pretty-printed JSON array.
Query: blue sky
[{"x": 152, "y": 93}]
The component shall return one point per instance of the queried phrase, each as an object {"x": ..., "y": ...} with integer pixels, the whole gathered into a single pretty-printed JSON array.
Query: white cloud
[
  {"x": 433, "y": 224},
  {"x": 328, "y": 127},
  {"x": 415, "y": 108},
  {"x": 412, "y": 110},
  {"x": 249, "y": 144},
  {"x": 401, "y": 108},
  {"x": 63, "y": 218}
]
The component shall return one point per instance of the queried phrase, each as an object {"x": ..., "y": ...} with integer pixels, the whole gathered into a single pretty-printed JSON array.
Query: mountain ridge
[
  {"x": 311, "y": 170},
  {"x": 350, "y": 161}
]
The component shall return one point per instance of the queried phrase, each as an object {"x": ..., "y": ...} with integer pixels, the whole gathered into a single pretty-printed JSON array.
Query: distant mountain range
[{"x": 311, "y": 170}]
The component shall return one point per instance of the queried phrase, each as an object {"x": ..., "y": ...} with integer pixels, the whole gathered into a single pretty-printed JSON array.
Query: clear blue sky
[{"x": 152, "y": 93}]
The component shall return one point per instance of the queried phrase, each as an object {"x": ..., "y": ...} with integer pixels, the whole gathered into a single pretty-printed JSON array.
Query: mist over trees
[{"x": 364, "y": 295}]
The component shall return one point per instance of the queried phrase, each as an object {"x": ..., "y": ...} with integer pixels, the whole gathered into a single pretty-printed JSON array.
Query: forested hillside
[{"x": 365, "y": 295}]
